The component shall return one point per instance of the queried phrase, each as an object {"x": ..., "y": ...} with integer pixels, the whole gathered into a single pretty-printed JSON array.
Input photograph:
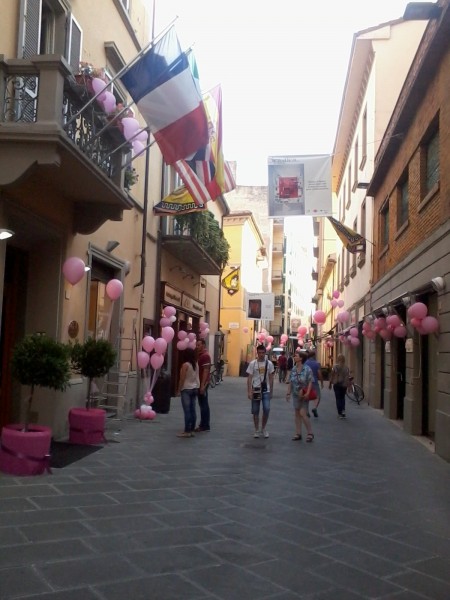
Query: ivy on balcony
[{"x": 204, "y": 228}]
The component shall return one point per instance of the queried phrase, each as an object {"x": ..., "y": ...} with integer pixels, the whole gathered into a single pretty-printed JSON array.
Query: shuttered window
[
  {"x": 432, "y": 162},
  {"x": 74, "y": 44},
  {"x": 29, "y": 28}
]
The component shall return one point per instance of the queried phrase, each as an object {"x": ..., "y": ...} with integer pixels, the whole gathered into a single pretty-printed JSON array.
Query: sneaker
[
  {"x": 265, "y": 433},
  {"x": 200, "y": 429},
  {"x": 314, "y": 412},
  {"x": 185, "y": 434},
  {"x": 343, "y": 415},
  {"x": 256, "y": 434}
]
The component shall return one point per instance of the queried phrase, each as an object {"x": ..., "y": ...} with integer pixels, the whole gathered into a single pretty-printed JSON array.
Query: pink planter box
[
  {"x": 25, "y": 453},
  {"x": 87, "y": 426}
]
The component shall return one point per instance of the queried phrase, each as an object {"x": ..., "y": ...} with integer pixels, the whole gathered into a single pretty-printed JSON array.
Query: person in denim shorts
[{"x": 260, "y": 374}]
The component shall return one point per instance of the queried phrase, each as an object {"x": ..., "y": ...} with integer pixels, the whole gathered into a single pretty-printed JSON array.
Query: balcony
[
  {"x": 46, "y": 159},
  {"x": 181, "y": 243},
  {"x": 279, "y": 302},
  {"x": 277, "y": 275}
]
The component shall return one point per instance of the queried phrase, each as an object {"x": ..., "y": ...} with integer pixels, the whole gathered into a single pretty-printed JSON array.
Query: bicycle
[
  {"x": 215, "y": 376},
  {"x": 354, "y": 392}
]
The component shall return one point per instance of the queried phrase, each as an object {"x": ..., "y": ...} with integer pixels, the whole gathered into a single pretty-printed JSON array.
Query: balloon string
[
  {"x": 155, "y": 373},
  {"x": 108, "y": 324}
]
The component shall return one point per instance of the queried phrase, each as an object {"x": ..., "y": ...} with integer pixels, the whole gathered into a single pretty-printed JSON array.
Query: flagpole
[{"x": 123, "y": 70}]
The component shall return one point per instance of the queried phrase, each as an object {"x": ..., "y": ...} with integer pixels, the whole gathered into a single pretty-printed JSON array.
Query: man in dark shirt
[
  {"x": 282, "y": 367},
  {"x": 204, "y": 368}
]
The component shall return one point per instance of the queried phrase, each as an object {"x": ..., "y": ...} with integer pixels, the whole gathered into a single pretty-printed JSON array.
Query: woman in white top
[{"x": 188, "y": 385}]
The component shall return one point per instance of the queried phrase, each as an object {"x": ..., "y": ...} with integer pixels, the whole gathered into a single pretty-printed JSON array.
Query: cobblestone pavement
[{"x": 362, "y": 512}]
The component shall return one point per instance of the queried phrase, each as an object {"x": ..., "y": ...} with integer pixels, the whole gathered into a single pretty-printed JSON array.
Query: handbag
[{"x": 312, "y": 394}]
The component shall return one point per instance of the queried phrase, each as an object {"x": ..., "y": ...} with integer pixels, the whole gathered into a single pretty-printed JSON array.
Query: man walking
[
  {"x": 204, "y": 367},
  {"x": 260, "y": 374},
  {"x": 282, "y": 367}
]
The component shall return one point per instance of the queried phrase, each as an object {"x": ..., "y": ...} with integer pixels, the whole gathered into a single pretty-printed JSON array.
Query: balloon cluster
[
  {"x": 152, "y": 353},
  {"x": 262, "y": 337},
  {"x": 420, "y": 320},
  {"x": 132, "y": 131},
  {"x": 351, "y": 339}
]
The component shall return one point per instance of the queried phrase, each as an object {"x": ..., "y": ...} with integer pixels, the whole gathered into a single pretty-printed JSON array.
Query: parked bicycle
[
  {"x": 216, "y": 374},
  {"x": 354, "y": 392}
]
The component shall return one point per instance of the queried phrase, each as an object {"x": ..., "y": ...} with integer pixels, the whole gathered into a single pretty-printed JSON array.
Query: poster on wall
[
  {"x": 299, "y": 186},
  {"x": 260, "y": 306}
]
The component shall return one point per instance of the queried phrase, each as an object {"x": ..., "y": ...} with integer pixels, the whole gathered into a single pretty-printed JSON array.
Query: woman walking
[
  {"x": 300, "y": 385},
  {"x": 339, "y": 381},
  {"x": 188, "y": 385}
]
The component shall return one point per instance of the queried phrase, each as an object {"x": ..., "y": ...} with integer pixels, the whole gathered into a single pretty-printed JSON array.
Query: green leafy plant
[
  {"x": 130, "y": 178},
  {"x": 207, "y": 232},
  {"x": 93, "y": 358},
  {"x": 39, "y": 360}
]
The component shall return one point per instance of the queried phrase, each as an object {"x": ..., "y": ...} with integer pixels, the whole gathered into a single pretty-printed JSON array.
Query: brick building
[{"x": 410, "y": 186}]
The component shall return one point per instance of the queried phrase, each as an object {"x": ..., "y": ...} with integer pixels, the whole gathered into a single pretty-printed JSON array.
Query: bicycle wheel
[
  {"x": 359, "y": 392},
  {"x": 212, "y": 380},
  {"x": 352, "y": 394}
]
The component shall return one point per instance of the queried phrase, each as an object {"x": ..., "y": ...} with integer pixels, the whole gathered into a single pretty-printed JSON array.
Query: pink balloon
[
  {"x": 336, "y": 294},
  {"x": 148, "y": 398},
  {"x": 418, "y": 310},
  {"x": 284, "y": 337},
  {"x": 148, "y": 343},
  {"x": 157, "y": 360},
  {"x": 386, "y": 334},
  {"x": 181, "y": 345},
  {"x": 191, "y": 336},
  {"x": 366, "y": 326},
  {"x": 400, "y": 331},
  {"x": 343, "y": 316},
  {"x": 160, "y": 345},
  {"x": 302, "y": 330},
  {"x": 143, "y": 359},
  {"x": 130, "y": 127},
  {"x": 340, "y": 303},
  {"x": 319, "y": 317},
  {"x": 334, "y": 303},
  {"x": 182, "y": 335},
  {"x": 393, "y": 321},
  {"x": 270, "y": 338},
  {"x": 245, "y": 329},
  {"x": 204, "y": 325},
  {"x": 169, "y": 311},
  {"x": 141, "y": 136},
  {"x": 98, "y": 85},
  {"x": 151, "y": 414},
  {"x": 429, "y": 324},
  {"x": 138, "y": 147},
  {"x": 354, "y": 332},
  {"x": 416, "y": 322},
  {"x": 167, "y": 333},
  {"x": 114, "y": 289},
  {"x": 354, "y": 341},
  {"x": 74, "y": 269},
  {"x": 109, "y": 102},
  {"x": 164, "y": 322},
  {"x": 370, "y": 335}
]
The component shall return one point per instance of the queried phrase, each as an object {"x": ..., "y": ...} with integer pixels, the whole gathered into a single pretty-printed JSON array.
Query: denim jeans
[
  {"x": 339, "y": 392},
  {"x": 188, "y": 398},
  {"x": 265, "y": 400},
  {"x": 204, "y": 409}
]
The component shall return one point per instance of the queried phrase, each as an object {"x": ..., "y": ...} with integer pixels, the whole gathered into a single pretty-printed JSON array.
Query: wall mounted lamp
[
  {"x": 202, "y": 284},
  {"x": 112, "y": 245},
  {"x": 5, "y": 234},
  {"x": 438, "y": 284},
  {"x": 362, "y": 185}
]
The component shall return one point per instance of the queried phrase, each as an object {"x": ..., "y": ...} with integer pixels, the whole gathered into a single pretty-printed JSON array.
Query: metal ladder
[{"x": 113, "y": 392}]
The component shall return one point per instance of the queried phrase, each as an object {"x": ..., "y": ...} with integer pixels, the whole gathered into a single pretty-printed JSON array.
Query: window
[
  {"x": 384, "y": 224},
  {"x": 403, "y": 201},
  {"x": 344, "y": 195},
  {"x": 355, "y": 161},
  {"x": 363, "y": 219},
  {"x": 432, "y": 162},
  {"x": 364, "y": 140}
]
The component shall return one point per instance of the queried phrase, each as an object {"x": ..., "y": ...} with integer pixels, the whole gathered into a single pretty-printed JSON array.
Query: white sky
[{"x": 282, "y": 67}]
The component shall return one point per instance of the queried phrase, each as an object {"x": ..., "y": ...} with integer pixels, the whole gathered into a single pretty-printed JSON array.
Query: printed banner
[
  {"x": 300, "y": 186},
  {"x": 231, "y": 281},
  {"x": 260, "y": 306}
]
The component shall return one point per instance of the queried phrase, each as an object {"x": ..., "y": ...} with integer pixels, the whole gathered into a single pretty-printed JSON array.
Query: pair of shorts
[
  {"x": 299, "y": 403},
  {"x": 256, "y": 404}
]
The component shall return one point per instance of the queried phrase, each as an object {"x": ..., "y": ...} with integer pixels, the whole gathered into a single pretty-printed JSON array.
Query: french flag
[{"x": 162, "y": 85}]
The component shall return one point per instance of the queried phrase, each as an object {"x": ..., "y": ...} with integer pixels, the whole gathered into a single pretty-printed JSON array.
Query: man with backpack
[{"x": 260, "y": 375}]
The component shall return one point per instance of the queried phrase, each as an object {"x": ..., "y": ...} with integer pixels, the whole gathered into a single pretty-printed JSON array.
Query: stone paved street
[{"x": 362, "y": 512}]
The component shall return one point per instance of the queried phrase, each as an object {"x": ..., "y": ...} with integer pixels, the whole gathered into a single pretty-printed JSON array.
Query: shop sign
[
  {"x": 192, "y": 305},
  {"x": 172, "y": 296}
]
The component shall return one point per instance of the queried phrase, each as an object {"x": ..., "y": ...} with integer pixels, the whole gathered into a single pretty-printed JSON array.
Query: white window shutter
[
  {"x": 75, "y": 40},
  {"x": 29, "y": 28}
]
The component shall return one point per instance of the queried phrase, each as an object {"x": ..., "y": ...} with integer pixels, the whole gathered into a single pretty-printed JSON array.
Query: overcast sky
[{"x": 281, "y": 65}]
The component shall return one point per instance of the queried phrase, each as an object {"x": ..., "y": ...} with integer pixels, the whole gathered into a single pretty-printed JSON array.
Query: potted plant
[
  {"x": 38, "y": 360},
  {"x": 93, "y": 358}
]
